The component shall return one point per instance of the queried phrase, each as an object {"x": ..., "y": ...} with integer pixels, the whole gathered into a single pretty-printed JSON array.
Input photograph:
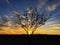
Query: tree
[{"x": 31, "y": 20}]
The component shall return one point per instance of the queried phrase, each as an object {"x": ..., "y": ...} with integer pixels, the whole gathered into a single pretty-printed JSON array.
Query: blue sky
[{"x": 44, "y": 6}]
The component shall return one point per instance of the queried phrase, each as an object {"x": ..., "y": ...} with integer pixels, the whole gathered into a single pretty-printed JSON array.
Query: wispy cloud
[
  {"x": 52, "y": 25},
  {"x": 53, "y": 6},
  {"x": 41, "y": 4}
]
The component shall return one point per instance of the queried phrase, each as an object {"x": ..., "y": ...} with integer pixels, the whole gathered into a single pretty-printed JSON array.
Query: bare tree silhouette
[{"x": 31, "y": 20}]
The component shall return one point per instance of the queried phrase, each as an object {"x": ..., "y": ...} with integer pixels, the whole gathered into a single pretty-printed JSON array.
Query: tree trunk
[{"x": 29, "y": 32}]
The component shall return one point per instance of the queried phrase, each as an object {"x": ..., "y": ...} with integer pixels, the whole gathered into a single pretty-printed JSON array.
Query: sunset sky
[{"x": 52, "y": 26}]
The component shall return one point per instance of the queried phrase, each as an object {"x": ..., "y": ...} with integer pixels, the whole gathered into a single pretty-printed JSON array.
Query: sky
[{"x": 43, "y": 6}]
